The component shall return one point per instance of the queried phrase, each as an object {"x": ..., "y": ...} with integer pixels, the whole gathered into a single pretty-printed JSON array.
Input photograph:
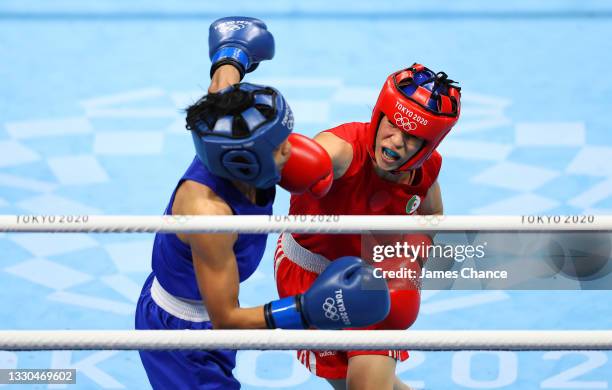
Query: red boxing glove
[
  {"x": 405, "y": 292},
  {"x": 404, "y": 310},
  {"x": 309, "y": 168}
]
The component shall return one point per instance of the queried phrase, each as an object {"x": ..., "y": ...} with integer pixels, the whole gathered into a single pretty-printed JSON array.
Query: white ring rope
[
  {"x": 519, "y": 340},
  {"x": 300, "y": 339},
  {"x": 297, "y": 223}
]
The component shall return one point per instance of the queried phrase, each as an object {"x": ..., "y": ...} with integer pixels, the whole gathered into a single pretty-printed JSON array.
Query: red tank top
[{"x": 360, "y": 191}]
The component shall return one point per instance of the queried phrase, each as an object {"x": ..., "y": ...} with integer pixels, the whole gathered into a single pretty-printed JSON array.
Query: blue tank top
[{"x": 172, "y": 262}]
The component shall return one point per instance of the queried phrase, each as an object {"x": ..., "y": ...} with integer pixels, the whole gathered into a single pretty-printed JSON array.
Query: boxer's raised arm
[
  {"x": 340, "y": 151},
  {"x": 223, "y": 77}
]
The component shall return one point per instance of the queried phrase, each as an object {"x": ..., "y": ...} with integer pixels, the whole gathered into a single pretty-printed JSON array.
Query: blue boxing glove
[
  {"x": 345, "y": 295},
  {"x": 239, "y": 41}
]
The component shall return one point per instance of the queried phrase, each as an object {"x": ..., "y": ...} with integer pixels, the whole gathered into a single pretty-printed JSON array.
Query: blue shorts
[{"x": 182, "y": 369}]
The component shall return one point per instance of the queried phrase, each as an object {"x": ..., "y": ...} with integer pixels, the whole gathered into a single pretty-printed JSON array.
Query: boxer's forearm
[
  {"x": 240, "y": 318},
  {"x": 223, "y": 77}
]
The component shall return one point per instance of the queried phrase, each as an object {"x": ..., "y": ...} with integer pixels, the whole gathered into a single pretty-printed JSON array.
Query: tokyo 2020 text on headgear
[
  {"x": 236, "y": 130},
  {"x": 421, "y": 103}
]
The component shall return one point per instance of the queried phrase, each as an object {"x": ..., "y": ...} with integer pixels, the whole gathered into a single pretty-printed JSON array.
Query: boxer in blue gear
[
  {"x": 174, "y": 270},
  {"x": 196, "y": 277}
]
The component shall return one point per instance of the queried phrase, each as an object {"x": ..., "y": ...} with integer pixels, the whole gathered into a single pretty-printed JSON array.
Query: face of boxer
[
  {"x": 393, "y": 146},
  {"x": 281, "y": 154}
]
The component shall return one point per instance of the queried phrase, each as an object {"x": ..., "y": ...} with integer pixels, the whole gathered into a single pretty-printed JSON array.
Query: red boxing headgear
[{"x": 421, "y": 103}]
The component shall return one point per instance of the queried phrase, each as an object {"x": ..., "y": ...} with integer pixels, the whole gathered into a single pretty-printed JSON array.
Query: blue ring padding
[{"x": 285, "y": 314}]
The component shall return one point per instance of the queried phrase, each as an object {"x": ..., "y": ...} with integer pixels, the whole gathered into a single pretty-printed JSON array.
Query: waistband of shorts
[
  {"x": 185, "y": 309},
  {"x": 301, "y": 256}
]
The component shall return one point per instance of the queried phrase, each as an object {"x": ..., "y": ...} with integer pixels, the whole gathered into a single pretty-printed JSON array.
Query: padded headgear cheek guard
[
  {"x": 235, "y": 135},
  {"x": 421, "y": 103}
]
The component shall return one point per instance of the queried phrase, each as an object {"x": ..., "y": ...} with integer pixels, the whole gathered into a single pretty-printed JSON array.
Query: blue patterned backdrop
[{"x": 91, "y": 122}]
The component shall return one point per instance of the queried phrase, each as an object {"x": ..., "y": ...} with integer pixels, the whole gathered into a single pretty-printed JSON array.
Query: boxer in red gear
[{"x": 388, "y": 166}]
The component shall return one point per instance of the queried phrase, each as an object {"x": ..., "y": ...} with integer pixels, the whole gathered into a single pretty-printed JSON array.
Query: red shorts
[{"x": 292, "y": 279}]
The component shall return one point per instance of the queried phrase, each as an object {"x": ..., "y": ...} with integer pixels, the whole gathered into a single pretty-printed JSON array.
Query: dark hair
[{"x": 213, "y": 106}]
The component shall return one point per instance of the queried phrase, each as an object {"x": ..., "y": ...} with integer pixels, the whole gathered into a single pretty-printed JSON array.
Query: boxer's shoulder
[{"x": 193, "y": 198}]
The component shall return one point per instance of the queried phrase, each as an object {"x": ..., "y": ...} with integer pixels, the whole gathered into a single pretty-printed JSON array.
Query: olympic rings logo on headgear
[
  {"x": 403, "y": 122},
  {"x": 330, "y": 309}
]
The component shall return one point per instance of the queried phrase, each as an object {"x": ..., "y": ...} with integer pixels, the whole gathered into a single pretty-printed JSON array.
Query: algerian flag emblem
[{"x": 413, "y": 204}]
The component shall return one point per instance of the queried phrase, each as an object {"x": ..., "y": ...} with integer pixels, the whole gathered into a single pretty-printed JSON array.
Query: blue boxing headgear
[{"x": 236, "y": 131}]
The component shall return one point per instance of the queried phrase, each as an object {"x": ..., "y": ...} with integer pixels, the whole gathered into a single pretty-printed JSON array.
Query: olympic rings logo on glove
[
  {"x": 330, "y": 309},
  {"x": 403, "y": 122},
  {"x": 232, "y": 25}
]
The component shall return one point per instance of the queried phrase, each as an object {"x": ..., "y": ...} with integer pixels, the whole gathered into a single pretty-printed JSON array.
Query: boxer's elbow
[
  {"x": 217, "y": 323},
  {"x": 223, "y": 321}
]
